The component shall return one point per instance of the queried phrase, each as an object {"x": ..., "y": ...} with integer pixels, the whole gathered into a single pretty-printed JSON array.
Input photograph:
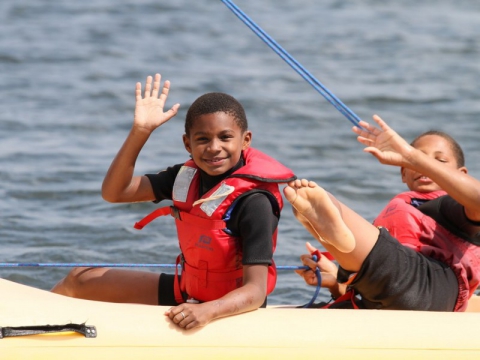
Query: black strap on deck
[{"x": 87, "y": 330}]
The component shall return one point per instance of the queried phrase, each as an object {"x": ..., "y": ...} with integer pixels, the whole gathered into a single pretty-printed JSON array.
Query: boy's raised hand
[
  {"x": 149, "y": 113},
  {"x": 383, "y": 143}
]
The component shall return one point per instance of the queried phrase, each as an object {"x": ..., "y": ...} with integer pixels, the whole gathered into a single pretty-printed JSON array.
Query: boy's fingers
[
  {"x": 310, "y": 247},
  {"x": 138, "y": 91},
  {"x": 156, "y": 85},
  {"x": 148, "y": 86}
]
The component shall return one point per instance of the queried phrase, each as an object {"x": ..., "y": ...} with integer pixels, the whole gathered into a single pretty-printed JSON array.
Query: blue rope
[
  {"x": 67, "y": 265},
  {"x": 70, "y": 265},
  {"x": 317, "y": 85},
  {"x": 124, "y": 265},
  {"x": 319, "y": 284}
]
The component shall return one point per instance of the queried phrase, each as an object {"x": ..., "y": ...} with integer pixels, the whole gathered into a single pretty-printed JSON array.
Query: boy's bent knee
[{"x": 75, "y": 280}]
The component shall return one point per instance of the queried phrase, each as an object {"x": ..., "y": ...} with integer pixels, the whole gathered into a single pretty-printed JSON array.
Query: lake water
[{"x": 68, "y": 72}]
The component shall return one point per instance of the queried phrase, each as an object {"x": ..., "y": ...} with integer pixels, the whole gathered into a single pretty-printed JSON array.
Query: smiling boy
[{"x": 226, "y": 205}]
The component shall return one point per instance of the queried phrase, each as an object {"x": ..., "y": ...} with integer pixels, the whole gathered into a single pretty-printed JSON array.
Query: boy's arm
[
  {"x": 255, "y": 222},
  {"x": 246, "y": 298},
  {"x": 120, "y": 185},
  {"x": 462, "y": 187},
  {"x": 391, "y": 149}
]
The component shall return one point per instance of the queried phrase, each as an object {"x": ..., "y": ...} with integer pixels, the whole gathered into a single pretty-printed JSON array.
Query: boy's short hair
[
  {"x": 456, "y": 148},
  {"x": 213, "y": 102}
]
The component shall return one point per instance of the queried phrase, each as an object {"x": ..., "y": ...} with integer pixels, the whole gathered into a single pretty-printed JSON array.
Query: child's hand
[
  {"x": 189, "y": 316},
  {"x": 383, "y": 143},
  {"x": 149, "y": 112},
  {"x": 328, "y": 270}
]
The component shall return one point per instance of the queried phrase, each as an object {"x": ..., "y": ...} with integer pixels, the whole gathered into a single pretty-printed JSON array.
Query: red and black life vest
[
  {"x": 211, "y": 256},
  {"x": 416, "y": 230}
]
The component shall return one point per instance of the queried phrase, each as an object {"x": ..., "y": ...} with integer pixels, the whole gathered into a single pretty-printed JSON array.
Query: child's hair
[
  {"x": 457, "y": 150},
  {"x": 216, "y": 102}
]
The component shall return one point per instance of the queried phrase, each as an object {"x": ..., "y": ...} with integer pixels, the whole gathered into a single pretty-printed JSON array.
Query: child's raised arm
[
  {"x": 120, "y": 185},
  {"x": 391, "y": 149}
]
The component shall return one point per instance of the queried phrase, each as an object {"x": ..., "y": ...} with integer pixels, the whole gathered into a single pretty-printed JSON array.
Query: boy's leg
[
  {"x": 111, "y": 285},
  {"x": 344, "y": 233}
]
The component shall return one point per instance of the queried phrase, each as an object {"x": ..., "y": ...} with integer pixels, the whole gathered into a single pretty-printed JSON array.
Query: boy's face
[
  {"x": 216, "y": 142},
  {"x": 437, "y": 148}
]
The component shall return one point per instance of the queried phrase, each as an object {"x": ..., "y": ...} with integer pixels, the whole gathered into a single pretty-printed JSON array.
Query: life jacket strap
[
  {"x": 349, "y": 295},
  {"x": 182, "y": 216},
  {"x": 202, "y": 222},
  {"x": 203, "y": 276},
  {"x": 319, "y": 254},
  {"x": 177, "y": 289},
  {"x": 139, "y": 225}
]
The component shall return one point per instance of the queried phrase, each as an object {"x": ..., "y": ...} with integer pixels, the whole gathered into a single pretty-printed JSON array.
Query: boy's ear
[
  {"x": 247, "y": 139},
  {"x": 186, "y": 143}
]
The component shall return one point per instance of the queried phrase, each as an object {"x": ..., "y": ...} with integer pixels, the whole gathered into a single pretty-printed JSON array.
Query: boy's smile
[{"x": 216, "y": 142}]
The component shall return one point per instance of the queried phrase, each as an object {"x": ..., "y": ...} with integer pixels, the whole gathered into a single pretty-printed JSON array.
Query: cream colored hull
[{"x": 127, "y": 331}]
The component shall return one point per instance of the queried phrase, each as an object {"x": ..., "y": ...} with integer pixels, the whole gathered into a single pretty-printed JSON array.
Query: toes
[{"x": 290, "y": 194}]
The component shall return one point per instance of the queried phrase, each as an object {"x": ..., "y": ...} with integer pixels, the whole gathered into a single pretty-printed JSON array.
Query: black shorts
[
  {"x": 395, "y": 277},
  {"x": 166, "y": 293}
]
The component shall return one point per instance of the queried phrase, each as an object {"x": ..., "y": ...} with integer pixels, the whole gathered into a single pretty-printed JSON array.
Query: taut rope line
[{"x": 317, "y": 85}]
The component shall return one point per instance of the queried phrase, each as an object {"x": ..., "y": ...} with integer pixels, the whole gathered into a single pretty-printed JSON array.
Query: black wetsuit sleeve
[
  {"x": 254, "y": 221},
  {"x": 451, "y": 215},
  {"x": 162, "y": 183}
]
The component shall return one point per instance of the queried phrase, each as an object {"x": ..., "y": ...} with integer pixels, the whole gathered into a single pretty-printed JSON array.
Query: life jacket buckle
[
  {"x": 175, "y": 212},
  {"x": 182, "y": 260}
]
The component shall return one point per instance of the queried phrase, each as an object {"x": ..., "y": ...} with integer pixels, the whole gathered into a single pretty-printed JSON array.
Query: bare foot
[
  {"x": 300, "y": 217},
  {"x": 316, "y": 211}
]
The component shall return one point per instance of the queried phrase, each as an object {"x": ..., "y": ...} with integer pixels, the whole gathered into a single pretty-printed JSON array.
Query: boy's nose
[{"x": 214, "y": 145}]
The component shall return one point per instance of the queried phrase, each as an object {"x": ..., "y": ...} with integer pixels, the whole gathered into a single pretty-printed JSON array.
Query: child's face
[
  {"x": 216, "y": 142},
  {"x": 437, "y": 148}
]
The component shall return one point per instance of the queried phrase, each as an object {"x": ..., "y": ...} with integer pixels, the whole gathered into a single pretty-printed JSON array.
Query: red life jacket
[
  {"x": 211, "y": 256},
  {"x": 416, "y": 230}
]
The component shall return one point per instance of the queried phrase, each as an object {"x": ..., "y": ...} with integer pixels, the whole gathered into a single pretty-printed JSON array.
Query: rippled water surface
[{"x": 68, "y": 71}]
